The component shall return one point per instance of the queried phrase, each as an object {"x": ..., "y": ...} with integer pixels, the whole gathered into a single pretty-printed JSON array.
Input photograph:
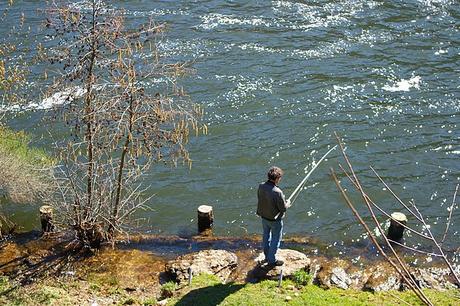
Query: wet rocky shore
[{"x": 144, "y": 262}]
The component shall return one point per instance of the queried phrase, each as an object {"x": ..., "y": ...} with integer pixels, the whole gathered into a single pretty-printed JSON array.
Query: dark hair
[{"x": 274, "y": 173}]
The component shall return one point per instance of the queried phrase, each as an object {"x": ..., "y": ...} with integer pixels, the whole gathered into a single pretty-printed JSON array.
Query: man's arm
[{"x": 281, "y": 203}]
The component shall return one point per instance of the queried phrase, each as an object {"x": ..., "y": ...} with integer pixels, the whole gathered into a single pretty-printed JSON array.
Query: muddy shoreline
[{"x": 29, "y": 255}]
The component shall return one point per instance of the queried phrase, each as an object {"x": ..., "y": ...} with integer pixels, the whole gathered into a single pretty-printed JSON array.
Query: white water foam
[
  {"x": 157, "y": 12},
  {"x": 325, "y": 50},
  {"x": 59, "y": 98},
  {"x": 211, "y": 21},
  {"x": 314, "y": 16},
  {"x": 440, "y": 51},
  {"x": 404, "y": 85}
]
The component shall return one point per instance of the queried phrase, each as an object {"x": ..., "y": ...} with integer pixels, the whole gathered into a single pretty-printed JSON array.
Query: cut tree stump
[
  {"x": 205, "y": 218},
  {"x": 46, "y": 219},
  {"x": 396, "y": 230}
]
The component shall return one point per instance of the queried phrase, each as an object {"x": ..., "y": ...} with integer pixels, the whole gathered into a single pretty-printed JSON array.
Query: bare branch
[{"x": 449, "y": 219}]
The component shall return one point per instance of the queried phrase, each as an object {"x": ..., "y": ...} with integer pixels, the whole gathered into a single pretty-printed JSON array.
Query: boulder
[
  {"x": 293, "y": 262},
  {"x": 333, "y": 274},
  {"x": 340, "y": 278},
  {"x": 434, "y": 278},
  {"x": 316, "y": 265},
  {"x": 217, "y": 262},
  {"x": 358, "y": 276},
  {"x": 383, "y": 278}
]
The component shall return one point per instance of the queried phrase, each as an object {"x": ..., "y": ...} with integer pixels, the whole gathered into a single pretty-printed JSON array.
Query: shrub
[
  {"x": 167, "y": 289},
  {"x": 301, "y": 278}
]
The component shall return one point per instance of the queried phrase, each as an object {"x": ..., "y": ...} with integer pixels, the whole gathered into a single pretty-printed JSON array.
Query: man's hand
[{"x": 288, "y": 203}]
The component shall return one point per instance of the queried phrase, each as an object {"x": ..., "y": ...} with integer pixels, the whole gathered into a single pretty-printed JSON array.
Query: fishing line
[{"x": 299, "y": 187}]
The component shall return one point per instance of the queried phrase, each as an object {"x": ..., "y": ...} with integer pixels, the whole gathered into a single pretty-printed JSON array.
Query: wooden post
[
  {"x": 46, "y": 218},
  {"x": 190, "y": 276},
  {"x": 280, "y": 279},
  {"x": 205, "y": 218},
  {"x": 395, "y": 231}
]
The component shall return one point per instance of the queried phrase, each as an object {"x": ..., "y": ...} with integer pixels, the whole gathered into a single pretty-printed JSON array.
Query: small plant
[
  {"x": 167, "y": 289},
  {"x": 149, "y": 302},
  {"x": 301, "y": 278}
]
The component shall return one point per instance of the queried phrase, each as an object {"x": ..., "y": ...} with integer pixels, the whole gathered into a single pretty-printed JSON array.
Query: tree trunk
[
  {"x": 396, "y": 231},
  {"x": 205, "y": 218},
  {"x": 46, "y": 219}
]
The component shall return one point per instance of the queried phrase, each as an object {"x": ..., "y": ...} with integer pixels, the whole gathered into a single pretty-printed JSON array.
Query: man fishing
[{"x": 271, "y": 207}]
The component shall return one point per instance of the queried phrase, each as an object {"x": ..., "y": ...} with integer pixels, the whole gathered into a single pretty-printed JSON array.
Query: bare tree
[
  {"x": 387, "y": 246},
  {"x": 118, "y": 125}
]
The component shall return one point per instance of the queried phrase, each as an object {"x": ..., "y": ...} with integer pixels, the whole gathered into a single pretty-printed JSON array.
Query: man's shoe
[{"x": 275, "y": 264}]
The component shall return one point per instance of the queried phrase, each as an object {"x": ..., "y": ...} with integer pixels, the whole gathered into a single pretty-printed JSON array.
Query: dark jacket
[{"x": 271, "y": 202}]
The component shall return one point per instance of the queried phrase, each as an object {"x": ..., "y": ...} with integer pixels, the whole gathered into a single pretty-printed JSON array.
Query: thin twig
[
  {"x": 449, "y": 219},
  {"x": 374, "y": 240},
  {"x": 413, "y": 249},
  {"x": 407, "y": 276},
  {"x": 395, "y": 196},
  {"x": 383, "y": 211}
]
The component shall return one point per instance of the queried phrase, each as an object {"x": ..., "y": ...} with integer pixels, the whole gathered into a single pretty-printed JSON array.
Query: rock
[
  {"x": 383, "y": 278},
  {"x": 217, "y": 262},
  {"x": 434, "y": 278},
  {"x": 358, "y": 277},
  {"x": 316, "y": 266},
  {"x": 293, "y": 262},
  {"x": 333, "y": 274},
  {"x": 340, "y": 278}
]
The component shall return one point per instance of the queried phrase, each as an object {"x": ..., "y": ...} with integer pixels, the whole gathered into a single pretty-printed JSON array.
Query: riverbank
[
  {"x": 47, "y": 270},
  {"x": 204, "y": 290}
]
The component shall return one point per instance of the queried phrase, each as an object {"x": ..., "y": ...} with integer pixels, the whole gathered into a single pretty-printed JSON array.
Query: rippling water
[{"x": 277, "y": 78}]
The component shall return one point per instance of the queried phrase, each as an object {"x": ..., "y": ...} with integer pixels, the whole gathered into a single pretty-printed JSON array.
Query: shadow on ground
[
  {"x": 31, "y": 257},
  {"x": 209, "y": 296}
]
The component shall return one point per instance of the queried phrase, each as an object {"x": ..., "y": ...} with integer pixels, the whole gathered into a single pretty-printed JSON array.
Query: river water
[{"x": 277, "y": 78}]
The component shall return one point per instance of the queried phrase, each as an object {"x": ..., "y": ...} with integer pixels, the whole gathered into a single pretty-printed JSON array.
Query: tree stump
[
  {"x": 46, "y": 218},
  {"x": 205, "y": 218},
  {"x": 395, "y": 231}
]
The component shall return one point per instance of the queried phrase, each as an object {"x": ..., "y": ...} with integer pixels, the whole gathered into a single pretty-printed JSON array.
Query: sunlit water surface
[{"x": 277, "y": 78}]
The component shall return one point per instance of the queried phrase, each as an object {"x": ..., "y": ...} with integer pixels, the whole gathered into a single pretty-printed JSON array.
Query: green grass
[
  {"x": 168, "y": 289},
  {"x": 207, "y": 290},
  {"x": 149, "y": 302},
  {"x": 44, "y": 294},
  {"x": 17, "y": 144}
]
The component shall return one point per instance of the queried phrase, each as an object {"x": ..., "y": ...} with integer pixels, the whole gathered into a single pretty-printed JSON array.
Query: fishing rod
[{"x": 299, "y": 187}]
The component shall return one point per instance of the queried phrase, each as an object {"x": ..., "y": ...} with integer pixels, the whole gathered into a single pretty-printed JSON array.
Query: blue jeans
[{"x": 273, "y": 231}]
